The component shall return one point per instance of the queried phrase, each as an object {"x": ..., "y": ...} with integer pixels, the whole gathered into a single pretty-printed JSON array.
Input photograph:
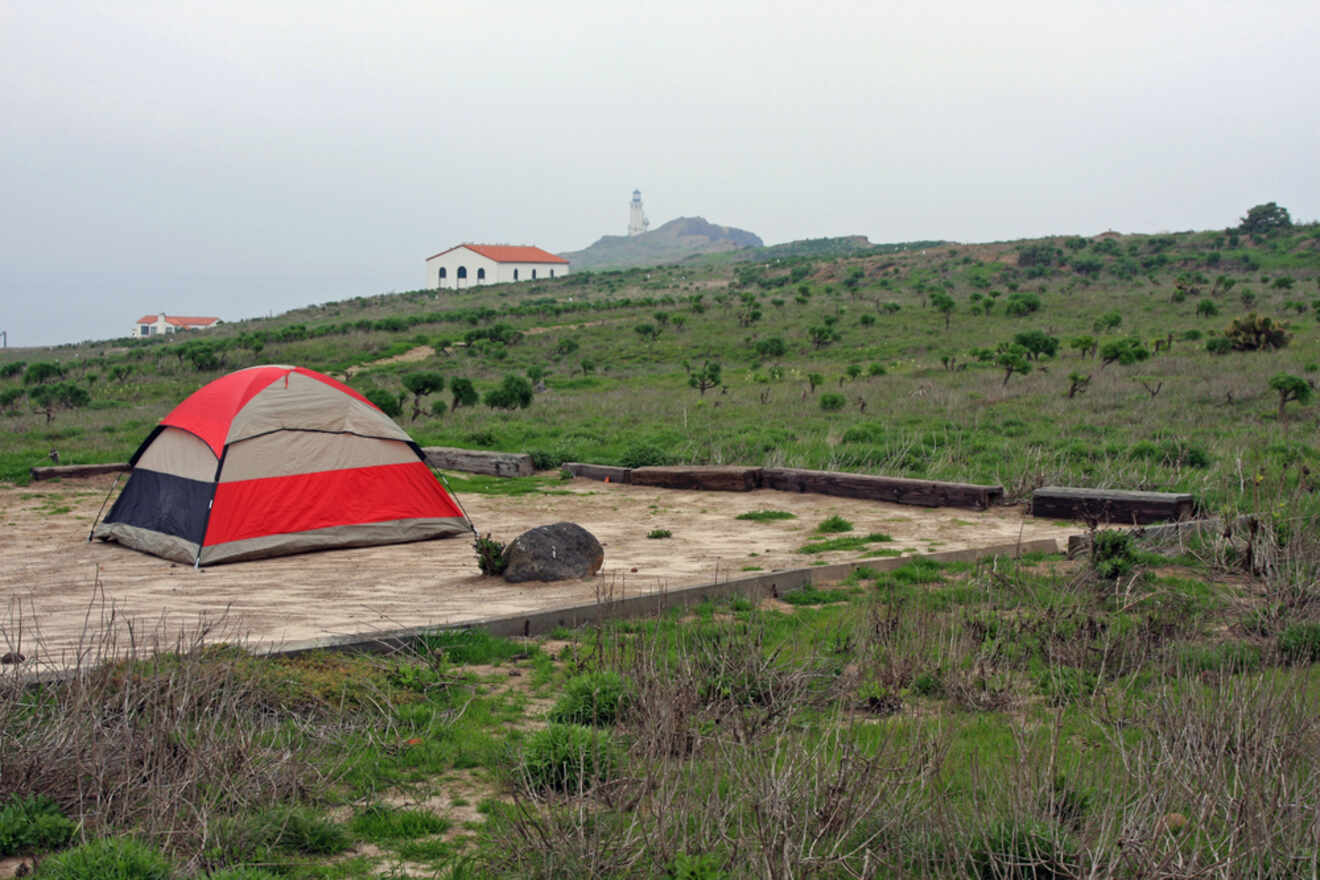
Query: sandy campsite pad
[{"x": 56, "y": 585}]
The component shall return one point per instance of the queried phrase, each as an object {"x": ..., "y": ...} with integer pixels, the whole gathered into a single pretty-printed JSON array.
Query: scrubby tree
[
  {"x": 11, "y": 369},
  {"x": 462, "y": 393},
  {"x": 822, "y": 335},
  {"x": 1264, "y": 219},
  {"x": 649, "y": 332},
  {"x": 1085, "y": 346},
  {"x": 9, "y": 399},
  {"x": 588, "y": 366},
  {"x": 42, "y": 372},
  {"x": 945, "y": 305},
  {"x": 1206, "y": 308},
  {"x": 1109, "y": 320},
  {"x": 707, "y": 377},
  {"x": 61, "y": 395},
  {"x": 1077, "y": 383},
  {"x": 1290, "y": 388},
  {"x": 771, "y": 347},
  {"x": 566, "y": 347},
  {"x": 1012, "y": 358},
  {"x": 1126, "y": 351},
  {"x": 1020, "y": 304},
  {"x": 813, "y": 380},
  {"x": 515, "y": 392},
  {"x": 422, "y": 384},
  {"x": 1037, "y": 343}
]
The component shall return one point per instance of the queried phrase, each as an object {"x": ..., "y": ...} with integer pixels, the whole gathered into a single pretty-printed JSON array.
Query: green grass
[
  {"x": 383, "y": 824},
  {"x": 833, "y": 545},
  {"x": 766, "y": 515}
]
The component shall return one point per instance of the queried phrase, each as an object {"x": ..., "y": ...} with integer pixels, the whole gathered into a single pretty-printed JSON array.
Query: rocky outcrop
[{"x": 558, "y": 552}]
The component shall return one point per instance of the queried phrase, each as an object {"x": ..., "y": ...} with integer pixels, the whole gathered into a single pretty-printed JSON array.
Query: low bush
[
  {"x": 32, "y": 824},
  {"x": 659, "y": 533},
  {"x": 110, "y": 858},
  {"x": 1300, "y": 643},
  {"x": 490, "y": 555},
  {"x": 380, "y": 822},
  {"x": 567, "y": 757},
  {"x": 834, "y": 524},
  {"x": 597, "y": 698}
]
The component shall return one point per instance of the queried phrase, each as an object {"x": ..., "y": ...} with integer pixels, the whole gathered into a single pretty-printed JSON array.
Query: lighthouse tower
[{"x": 637, "y": 222}]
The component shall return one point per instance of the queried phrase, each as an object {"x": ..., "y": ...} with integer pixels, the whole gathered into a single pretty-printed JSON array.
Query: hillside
[
  {"x": 673, "y": 242},
  {"x": 1107, "y": 361}
]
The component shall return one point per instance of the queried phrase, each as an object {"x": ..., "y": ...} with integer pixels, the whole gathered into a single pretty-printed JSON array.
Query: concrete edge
[{"x": 770, "y": 584}]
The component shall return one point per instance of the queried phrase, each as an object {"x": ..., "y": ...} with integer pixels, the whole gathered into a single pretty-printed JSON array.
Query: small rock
[
  {"x": 553, "y": 553},
  {"x": 12, "y": 657}
]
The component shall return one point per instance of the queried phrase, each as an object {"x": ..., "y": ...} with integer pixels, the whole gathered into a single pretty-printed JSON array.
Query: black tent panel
[{"x": 164, "y": 503}]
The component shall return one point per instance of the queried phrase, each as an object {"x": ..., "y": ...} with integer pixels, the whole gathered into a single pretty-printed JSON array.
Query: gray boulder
[{"x": 553, "y": 553}]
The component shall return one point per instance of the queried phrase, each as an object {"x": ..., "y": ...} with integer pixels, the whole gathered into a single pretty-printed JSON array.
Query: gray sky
[{"x": 245, "y": 157}]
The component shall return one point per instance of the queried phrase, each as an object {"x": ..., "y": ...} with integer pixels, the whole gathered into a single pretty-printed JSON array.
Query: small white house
[
  {"x": 156, "y": 325},
  {"x": 469, "y": 265}
]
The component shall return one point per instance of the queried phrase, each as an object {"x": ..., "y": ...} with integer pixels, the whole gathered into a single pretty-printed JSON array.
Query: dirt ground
[{"x": 58, "y": 589}]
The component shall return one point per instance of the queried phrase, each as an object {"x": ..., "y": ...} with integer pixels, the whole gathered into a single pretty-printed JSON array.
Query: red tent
[{"x": 274, "y": 460}]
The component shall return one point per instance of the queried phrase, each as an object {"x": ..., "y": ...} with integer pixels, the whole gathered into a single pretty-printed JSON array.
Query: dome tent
[{"x": 273, "y": 460}]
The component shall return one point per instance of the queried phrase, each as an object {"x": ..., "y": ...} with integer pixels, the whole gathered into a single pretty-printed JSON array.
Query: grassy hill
[
  {"x": 677, "y": 240},
  {"x": 1132, "y": 714},
  {"x": 892, "y": 362}
]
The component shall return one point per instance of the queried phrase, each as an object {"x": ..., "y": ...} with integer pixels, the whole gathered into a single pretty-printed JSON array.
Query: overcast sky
[{"x": 242, "y": 158}]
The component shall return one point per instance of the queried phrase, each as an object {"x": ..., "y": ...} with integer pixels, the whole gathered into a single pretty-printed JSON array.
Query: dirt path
[{"x": 56, "y": 586}]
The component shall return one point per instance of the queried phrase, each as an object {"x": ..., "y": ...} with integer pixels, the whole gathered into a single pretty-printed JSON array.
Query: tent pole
[
  {"x": 92, "y": 532},
  {"x": 445, "y": 483}
]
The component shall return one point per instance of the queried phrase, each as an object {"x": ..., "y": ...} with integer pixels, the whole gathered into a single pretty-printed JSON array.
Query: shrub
[
  {"x": 111, "y": 858},
  {"x": 386, "y": 401},
  {"x": 596, "y": 698},
  {"x": 490, "y": 555},
  {"x": 567, "y": 757},
  {"x": 1253, "y": 333},
  {"x": 1219, "y": 345},
  {"x": 659, "y": 533},
  {"x": 462, "y": 391},
  {"x": 1207, "y": 308},
  {"x": 832, "y": 402},
  {"x": 515, "y": 392},
  {"x": 773, "y": 347},
  {"x": 834, "y": 524},
  {"x": 1113, "y": 553},
  {"x": 1019, "y": 304},
  {"x": 32, "y": 823},
  {"x": 1300, "y": 643}
]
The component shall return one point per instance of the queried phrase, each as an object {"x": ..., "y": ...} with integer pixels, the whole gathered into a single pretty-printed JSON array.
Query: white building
[
  {"x": 155, "y": 325},
  {"x": 637, "y": 222},
  {"x": 469, "y": 265}
]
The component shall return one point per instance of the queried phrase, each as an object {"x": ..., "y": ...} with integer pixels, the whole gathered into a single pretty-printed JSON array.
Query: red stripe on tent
[
  {"x": 303, "y": 502},
  {"x": 209, "y": 410}
]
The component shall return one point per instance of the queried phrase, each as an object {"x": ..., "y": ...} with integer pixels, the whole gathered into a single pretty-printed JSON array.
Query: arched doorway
[
  {"x": 440, "y": 279},
  {"x": 461, "y": 276}
]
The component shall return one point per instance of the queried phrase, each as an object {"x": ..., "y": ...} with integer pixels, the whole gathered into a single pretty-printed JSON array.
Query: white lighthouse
[{"x": 637, "y": 222}]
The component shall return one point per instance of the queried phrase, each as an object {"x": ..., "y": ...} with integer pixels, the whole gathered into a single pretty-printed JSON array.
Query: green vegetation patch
[
  {"x": 766, "y": 515},
  {"x": 836, "y": 544}
]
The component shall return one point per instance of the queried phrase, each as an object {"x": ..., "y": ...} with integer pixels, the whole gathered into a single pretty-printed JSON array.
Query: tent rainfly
[{"x": 274, "y": 460}]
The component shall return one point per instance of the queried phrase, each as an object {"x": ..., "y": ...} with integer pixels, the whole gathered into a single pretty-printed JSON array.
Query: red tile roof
[
  {"x": 178, "y": 320},
  {"x": 508, "y": 253}
]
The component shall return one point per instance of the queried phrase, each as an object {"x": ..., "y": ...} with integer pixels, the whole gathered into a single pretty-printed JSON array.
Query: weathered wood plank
[
  {"x": 1111, "y": 505},
  {"x": 710, "y": 479},
  {"x": 77, "y": 470},
  {"x": 599, "y": 472},
  {"x": 897, "y": 490},
  {"x": 478, "y": 461}
]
